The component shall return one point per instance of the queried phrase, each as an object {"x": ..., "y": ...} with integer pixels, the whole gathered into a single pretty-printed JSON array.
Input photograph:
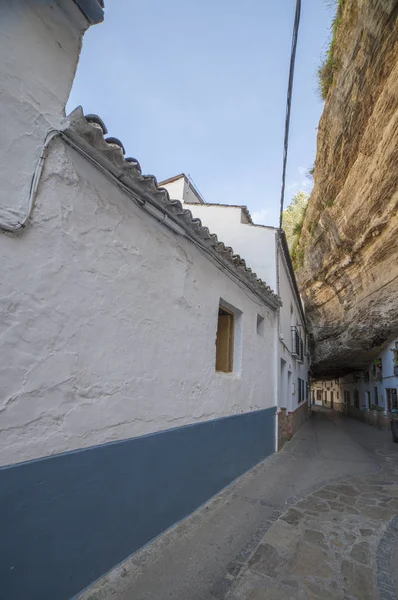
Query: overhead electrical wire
[{"x": 289, "y": 104}]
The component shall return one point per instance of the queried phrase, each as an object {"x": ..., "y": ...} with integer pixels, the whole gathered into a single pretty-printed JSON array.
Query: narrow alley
[
  {"x": 315, "y": 521},
  {"x": 199, "y": 394}
]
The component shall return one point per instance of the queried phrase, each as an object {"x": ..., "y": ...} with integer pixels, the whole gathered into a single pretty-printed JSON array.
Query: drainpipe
[
  {"x": 277, "y": 340},
  {"x": 20, "y": 224}
]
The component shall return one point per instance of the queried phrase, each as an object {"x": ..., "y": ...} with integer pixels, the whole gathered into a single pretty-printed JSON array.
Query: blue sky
[{"x": 199, "y": 86}]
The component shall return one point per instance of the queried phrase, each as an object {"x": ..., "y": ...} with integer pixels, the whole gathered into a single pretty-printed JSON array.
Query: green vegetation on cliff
[
  {"x": 331, "y": 64},
  {"x": 293, "y": 219}
]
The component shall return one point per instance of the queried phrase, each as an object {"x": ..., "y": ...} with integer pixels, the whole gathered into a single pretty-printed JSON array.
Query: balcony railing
[{"x": 297, "y": 344}]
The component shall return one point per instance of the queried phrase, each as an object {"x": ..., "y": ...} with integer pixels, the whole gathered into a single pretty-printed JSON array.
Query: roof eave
[
  {"x": 90, "y": 140},
  {"x": 93, "y": 10}
]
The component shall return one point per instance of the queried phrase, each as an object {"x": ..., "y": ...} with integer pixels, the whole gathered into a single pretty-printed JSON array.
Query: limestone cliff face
[{"x": 348, "y": 252}]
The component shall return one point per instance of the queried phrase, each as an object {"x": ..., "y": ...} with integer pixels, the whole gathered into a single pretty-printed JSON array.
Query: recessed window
[
  {"x": 225, "y": 340},
  {"x": 300, "y": 384},
  {"x": 260, "y": 325}
]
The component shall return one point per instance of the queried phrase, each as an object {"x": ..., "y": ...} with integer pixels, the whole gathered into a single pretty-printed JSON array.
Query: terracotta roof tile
[{"x": 88, "y": 134}]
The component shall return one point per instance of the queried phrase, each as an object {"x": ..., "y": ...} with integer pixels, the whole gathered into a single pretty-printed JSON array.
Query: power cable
[{"x": 289, "y": 103}]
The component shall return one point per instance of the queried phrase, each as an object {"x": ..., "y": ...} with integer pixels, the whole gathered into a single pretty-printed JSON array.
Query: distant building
[
  {"x": 372, "y": 389},
  {"x": 317, "y": 392},
  {"x": 327, "y": 393}
]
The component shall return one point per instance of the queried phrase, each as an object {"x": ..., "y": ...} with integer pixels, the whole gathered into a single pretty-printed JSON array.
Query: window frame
[{"x": 225, "y": 336}]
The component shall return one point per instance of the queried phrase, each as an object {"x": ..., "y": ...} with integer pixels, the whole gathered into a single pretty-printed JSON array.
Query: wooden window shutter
[{"x": 225, "y": 342}]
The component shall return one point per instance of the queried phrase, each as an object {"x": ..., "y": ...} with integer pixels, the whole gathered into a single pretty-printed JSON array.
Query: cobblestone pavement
[{"x": 340, "y": 541}]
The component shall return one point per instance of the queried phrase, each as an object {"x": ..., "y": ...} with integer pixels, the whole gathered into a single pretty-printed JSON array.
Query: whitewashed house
[
  {"x": 327, "y": 393},
  {"x": 140, "y": 355},
  {"x": 265, "y": 249}
]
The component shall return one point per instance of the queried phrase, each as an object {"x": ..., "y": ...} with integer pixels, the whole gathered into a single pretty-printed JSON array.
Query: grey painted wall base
[{"x": 66, "y": 520}]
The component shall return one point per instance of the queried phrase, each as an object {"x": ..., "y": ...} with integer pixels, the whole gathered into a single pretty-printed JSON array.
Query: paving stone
[
  {"x": 367, "y": 502},
  {"x": 385, "y": 502},
  {"x": 337, "y": 543},
  {"x": 282, "y": 536},
  {"x": 309, "y": 561},
  {"x": 326, "y": 495},
  {"x": 313, "y": 504},
  {"x": 266, "y": 561},
  {"x": 392, "y": 504},
  {"x": 358, "y": 580},
  {"x": 342, "y": 488},
  {"x": 233, "y": 568},
  {"x": 366, "y": 532},
  {"x": 268, "y": 595},
  {"x": 258, "y": 595},
  {"x": 392, "y": 490},
  {"x": 337, "y": 506},
  {"x": 375, "y": 495},
  {"x": 352, "y": 510},
  {"x": 290, "y": 582},
  {"x": 377, "y": 513},
  {"x": 350, "y": 538},
  {"x": 315, "y": 592},
  {"x": 221, "y": 588},
  {"x": 314, "y": 537},
  {"x": 361, "y": 553},
  {"x": 350, "y": 500},
  {"x": 293, "y": 517},
  {"x": 382, "y": 482}
]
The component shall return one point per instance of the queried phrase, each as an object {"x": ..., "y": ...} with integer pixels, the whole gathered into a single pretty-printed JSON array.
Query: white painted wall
[
  {"x": 40, "y": 44},
  {"x": 180, "y": 189},
  {"x": 254, "y": 243},
  {"x": 108, "y": 323},
  {"x": 176, "y": 188},
  {"x": 190, "y": 195},
  {"x": 290, "y": 315}
]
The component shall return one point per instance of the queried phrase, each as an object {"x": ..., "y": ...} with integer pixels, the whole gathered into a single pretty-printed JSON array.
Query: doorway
[
  {"x": 283, "y": 387},
  {"x": 289, "y": 391},
  {"x": 391, "y": 394},
  {"x": 331, "y": 399}
]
